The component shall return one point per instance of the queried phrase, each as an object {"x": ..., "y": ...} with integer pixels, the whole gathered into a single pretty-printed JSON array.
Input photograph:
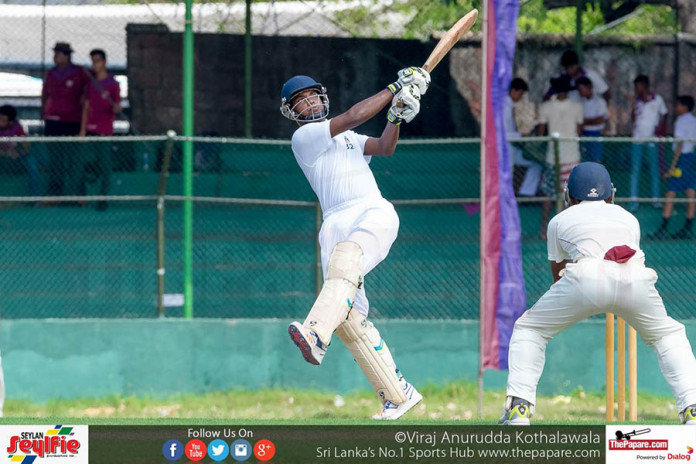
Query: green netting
[{"x": 255, "y": 226}]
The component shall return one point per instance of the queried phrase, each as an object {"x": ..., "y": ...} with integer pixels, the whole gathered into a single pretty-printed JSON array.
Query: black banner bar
[{"x": 385, "y": 444}]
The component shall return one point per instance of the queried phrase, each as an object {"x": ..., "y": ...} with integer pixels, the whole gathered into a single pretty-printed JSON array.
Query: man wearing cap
[
  {"x": 597, "y": 267},
  {"x": 61, "y": 107}
]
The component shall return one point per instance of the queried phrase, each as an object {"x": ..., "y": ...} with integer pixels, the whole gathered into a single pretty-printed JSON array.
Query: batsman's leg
[
  {"x": 371, "y": 353},
  {"x": 343, "y": 278}
]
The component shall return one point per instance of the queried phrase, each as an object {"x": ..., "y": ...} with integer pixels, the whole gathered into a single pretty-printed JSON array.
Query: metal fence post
[
  {"x": 557, "y": 171},
  {"x": 161, "y": 192}
]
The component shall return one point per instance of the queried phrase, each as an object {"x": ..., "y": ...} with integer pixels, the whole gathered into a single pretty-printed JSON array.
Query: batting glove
[
  {"x": 415, "y": 75},
  {"x": 393, "y": 116},
  {"x": 405, "y": 105},
  {"x": 395, "y": 87}
]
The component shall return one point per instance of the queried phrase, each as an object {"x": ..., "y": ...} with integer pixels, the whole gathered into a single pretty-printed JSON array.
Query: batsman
[
  {"x": 359, "y": 225},
  {"x": 597, "y": 267}
]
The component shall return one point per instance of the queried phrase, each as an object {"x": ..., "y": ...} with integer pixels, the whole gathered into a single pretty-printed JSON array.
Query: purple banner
[{"x": 503, "y": 248}]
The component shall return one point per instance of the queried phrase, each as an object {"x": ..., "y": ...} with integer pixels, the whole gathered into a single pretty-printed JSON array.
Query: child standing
[
  {"x": 595, "y": 115},
  {"x": 682, "y": 171}
]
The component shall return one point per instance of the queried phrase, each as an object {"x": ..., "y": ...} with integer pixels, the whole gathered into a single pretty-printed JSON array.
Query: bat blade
[{"x": 452, "y": 36}]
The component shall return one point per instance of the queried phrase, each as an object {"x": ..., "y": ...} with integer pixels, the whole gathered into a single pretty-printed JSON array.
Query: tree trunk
[{"x": 687, "y": 15}]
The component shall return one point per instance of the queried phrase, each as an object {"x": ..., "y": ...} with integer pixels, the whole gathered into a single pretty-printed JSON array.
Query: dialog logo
[
  {"x": 195, "y": 450},
  {"x": 173, "y": 450},
  {"x": 240, "y": 450},
  {"x": 218, "y": 450}
]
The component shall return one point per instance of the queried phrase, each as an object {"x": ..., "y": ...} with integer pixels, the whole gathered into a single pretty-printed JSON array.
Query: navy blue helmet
[
  {"x": 313, "y": 111},
  {"x": 589, "y": 181}
]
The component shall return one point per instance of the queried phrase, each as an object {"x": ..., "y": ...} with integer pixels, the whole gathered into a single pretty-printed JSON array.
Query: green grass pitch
[{"x": 454, "y": 403}]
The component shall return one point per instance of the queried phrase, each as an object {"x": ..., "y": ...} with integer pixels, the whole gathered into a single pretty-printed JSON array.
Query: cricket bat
[{"x": 452, "y": 36}]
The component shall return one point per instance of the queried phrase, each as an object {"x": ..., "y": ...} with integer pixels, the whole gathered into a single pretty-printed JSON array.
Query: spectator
[
  {"x": 682, "y": 172},
  {"x": 10, "y": 127},
  {"x": 649, "y": 118},
  {"x": 559, "y": 116},
  {"x": 102, "y": 103},
  {"x": 595, "y": 115},
  {"x": 61, "y": 105},
  {"x": 532, "y": 176},
  {"x": 571, "y": 66}
]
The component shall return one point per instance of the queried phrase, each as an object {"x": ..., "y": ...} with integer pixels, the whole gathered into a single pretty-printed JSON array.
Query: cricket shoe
[
  {"x": 688, "y": 415},
  {"x": 392, "y": 411},
  {"x": 313, "y": 350},
  {"x": 517, "y": 412}
]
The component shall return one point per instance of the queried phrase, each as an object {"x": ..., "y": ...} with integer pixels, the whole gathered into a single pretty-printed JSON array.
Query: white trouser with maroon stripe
[
  {"x": 370, "y": 222},
  {"x": 593, "y": 286}
]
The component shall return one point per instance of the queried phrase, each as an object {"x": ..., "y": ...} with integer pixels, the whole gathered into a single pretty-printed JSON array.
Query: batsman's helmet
[
  {"x": 589, "y": 181},
  {"x": 313, "y": 112}
]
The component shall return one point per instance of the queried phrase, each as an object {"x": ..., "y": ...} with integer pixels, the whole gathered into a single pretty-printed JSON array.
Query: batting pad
[
  {"x": 343, "y": 278},
  {"x": 373, "y": 356}
]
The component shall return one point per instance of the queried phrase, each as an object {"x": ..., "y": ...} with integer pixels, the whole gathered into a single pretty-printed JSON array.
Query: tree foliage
[
  {"x": 368, "y": 18},
  {"x": 424, "y": 17}
]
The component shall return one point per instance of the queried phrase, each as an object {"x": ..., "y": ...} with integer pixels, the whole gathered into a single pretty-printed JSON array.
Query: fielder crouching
[
  {"x": 359, "y": 225},
  {"x": 598, "y": 267}
]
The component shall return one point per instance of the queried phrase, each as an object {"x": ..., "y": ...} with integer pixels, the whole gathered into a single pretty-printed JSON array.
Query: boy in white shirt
[
  {"x": 682, "y": 172},
  {"x": 649, "y": 118},
  {"x": 532, "y": 176},
  {"x": 595, "y": 114},
  {"x": 598, "y": 267},
  {"x": 359, "y": 225},
  {"x": 561, "y": 116}
]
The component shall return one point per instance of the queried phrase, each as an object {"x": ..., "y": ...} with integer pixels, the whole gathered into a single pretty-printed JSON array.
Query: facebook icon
[{"x": 173, "y": 450}]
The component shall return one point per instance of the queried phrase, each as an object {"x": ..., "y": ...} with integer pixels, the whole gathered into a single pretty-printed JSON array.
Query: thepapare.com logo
[{"x": 25, "y": 447}]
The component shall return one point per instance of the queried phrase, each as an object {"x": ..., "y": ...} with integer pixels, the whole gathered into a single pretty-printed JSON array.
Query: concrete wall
[
  {"x": 353, "y": 69},
  {"x": 47, "y": 359}
]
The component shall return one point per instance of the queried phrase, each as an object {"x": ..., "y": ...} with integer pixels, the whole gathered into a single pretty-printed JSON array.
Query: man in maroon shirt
[
  {"x": 61, "y": 104},
  {"x": 102, "y": 103}
]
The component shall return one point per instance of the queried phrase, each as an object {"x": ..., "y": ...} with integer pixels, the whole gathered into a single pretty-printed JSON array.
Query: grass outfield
[{"x": 454, "y": 403}]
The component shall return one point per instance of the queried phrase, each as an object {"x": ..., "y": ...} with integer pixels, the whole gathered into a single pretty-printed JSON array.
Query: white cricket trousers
[
  {"x": 372, "y": 223},
  {"x": 593, "y": 286}
]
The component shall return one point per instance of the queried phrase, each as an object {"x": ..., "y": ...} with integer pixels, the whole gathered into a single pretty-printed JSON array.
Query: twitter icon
[{"x": 218, "y": 450}]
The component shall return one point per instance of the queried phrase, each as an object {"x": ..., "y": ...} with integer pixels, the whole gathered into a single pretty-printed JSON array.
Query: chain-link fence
[{"x": 90, "y": 252}]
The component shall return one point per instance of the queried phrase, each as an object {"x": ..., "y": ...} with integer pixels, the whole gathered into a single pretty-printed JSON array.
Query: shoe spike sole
[{"x": 302, "y": 344}]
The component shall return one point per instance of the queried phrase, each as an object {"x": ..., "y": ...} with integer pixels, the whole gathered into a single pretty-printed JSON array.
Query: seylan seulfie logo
[{"x": 27, "y": 444}]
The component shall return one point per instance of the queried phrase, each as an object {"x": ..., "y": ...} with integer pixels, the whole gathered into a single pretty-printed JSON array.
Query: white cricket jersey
[
  {"x": 590, "y": 229},
  {"x": 336, "y": 168},
  {"x": 562, "y": 117},
  {"x": 647, "y": 116},
  {"x": 509, "y": 118},
  {"x": 593, "y": 108},
  {"x": 685, "y": 128}
]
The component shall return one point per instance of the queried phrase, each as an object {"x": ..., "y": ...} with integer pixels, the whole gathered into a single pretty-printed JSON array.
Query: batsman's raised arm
[
  {"x": 412, "y": 80},
  {"x": 405, "y": 107}
]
